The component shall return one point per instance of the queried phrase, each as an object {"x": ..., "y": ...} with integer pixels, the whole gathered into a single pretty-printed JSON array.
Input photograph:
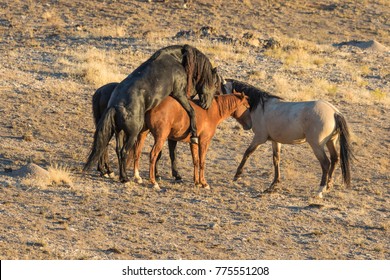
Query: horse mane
[
  {"x": 198, "y": 68},
  {"x": 256, "y": 96}
]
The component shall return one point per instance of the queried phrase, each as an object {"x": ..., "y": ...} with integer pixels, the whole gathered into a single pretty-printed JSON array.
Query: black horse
[
  {"x": 99, "y": 104},
  {"x": 181, "y": 71}
]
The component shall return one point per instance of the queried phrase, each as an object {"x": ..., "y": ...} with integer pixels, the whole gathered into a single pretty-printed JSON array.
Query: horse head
[{"x": 242, "y": 114}]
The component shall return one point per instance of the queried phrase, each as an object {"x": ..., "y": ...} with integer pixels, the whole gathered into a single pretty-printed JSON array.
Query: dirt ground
[{"x": 56, "y": 53}]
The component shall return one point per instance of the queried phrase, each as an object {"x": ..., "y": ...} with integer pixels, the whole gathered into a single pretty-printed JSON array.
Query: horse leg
[
  {"x": 320, "y": 154},
  {"x": 118, "y": 148},
  {"x": 101, "y": 165},
  {"x": 334, "y": 159},
  {"x": 195, "y": 161},
  {"x": 183, "y": 100},
  {"x": 157, "y": 147},
  {"x": 157, "y": 175},
  {"x": 172, "y": 154},
  {"x": 109, "y": 172},
  {"x": 132, "y": 127},
  {"x": 276, "y": 160},
  {"x": 202, "y": 163},
  {"x": 137, "y": 154},
  {"x": 252, "y": 147}
]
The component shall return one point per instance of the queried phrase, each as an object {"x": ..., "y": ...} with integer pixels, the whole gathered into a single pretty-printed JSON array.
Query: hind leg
[
  {"x": 137, "y": 154},
  {"x": 252, "y": 147},
  {"x": 334, "y": 159},
  {"x": 157, "y": 175},
  {"x": 276, "y": 160},
  {"x": 132, "y": 124},
  {"x": 156, "y": 150},
  {"x": 102, "y": 165},
  {"x": 109, "y": 173},
  {"x": 172, "y": 154},
  {"x": 320, "y": 154}
]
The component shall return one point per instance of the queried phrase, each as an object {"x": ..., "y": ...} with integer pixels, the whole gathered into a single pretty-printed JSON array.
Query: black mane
[
  {"x": 198, "y": 67},
  {"x": 256, "y": 96}
]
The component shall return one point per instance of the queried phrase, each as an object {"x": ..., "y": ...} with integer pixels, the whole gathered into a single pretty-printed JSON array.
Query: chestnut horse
[
  {"x": 180, "y": 71},
  {"x": 99, "y": 104},
  {"x": 170, "y": 120}
]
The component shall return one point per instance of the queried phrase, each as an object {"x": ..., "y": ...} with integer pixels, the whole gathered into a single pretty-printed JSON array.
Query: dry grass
[{"x": 94, "y": 66}]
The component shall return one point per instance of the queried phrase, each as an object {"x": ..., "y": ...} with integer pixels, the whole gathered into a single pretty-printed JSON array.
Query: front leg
[
  {"x": 195, "y": 161},
  {"x": 204, "y": 145},
  {"x": 276, "y": 160},
  {"x": 172, "y": 154},
  {"x": 252, "y": 147}
]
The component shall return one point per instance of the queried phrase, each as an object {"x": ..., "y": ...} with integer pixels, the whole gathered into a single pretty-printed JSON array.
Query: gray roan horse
[
  {"x": 178, "y": 71},
  {"x": 317, "y": 122}
]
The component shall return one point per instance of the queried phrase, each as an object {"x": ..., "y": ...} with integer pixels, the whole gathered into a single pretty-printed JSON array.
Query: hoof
[
  {"x": 156, "y": 187},
  {"x": 178, "y": 179},
  {"x": 319, "y": 195},
  {"x": 124, "y": 180},
  {"x": 206, "y": 187},
  {"x": 194, "y": 140},
  {"x": 111, "y": 175},
  {"x": 138, "y": 180},
  {"x": 236, "y": 178},
  {"x": 269, "y": 190}
]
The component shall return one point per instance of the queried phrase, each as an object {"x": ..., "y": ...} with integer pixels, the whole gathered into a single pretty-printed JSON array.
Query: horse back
[
  {"x": 169, "y": 119},
  {"x": 151, "y": 82}
]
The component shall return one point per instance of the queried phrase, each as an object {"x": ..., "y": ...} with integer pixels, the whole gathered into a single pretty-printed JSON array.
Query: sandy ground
[{"x": 46, "y": 119}]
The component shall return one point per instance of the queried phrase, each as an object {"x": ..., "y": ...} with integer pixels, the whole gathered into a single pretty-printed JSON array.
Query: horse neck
[{"x": 226, "y": 105}]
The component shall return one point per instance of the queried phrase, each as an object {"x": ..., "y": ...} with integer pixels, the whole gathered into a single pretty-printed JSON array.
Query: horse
[
  {"x": 169, "y": 120},
  {"x": 99, "y": 104},
  {"x": 180, "y": 71},
  {"x": 318, "y": 123}
]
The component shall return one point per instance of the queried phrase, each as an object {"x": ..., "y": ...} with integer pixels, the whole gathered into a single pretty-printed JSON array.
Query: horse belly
[
  {"x": 180, "y": 132},
  {"x": 287, "y": 134}
]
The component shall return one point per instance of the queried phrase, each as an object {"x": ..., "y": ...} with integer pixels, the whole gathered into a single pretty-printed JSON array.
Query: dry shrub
[
  {"x": 96, "y": 67},
  {"x": 298, "y": 53},
  {"x": 108, "y": 31},
  {"x": 56, "y": 175},
  {"x": 60, "y": 175},
  {"x": 53, "y": 18}
]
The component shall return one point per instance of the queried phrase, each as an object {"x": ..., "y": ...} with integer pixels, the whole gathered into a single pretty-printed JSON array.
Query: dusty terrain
[{"x": 54, "y": 54}]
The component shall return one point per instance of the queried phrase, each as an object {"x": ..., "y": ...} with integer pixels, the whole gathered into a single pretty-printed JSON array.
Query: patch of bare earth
[{"x": 56, "y": 53}]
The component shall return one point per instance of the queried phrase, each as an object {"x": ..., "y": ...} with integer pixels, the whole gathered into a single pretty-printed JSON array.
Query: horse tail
[
  {"x": 346, "y": 154},
  {"x": 101, "y": 138}
]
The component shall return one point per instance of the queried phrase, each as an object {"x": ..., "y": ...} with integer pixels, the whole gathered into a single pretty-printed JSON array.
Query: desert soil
[{"x": 46, "y": 119}]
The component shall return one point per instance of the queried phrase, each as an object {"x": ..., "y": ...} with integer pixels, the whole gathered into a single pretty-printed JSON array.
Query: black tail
[
  {"x": 103, "y": 134},
  {"x": 346, "y": 154}
]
